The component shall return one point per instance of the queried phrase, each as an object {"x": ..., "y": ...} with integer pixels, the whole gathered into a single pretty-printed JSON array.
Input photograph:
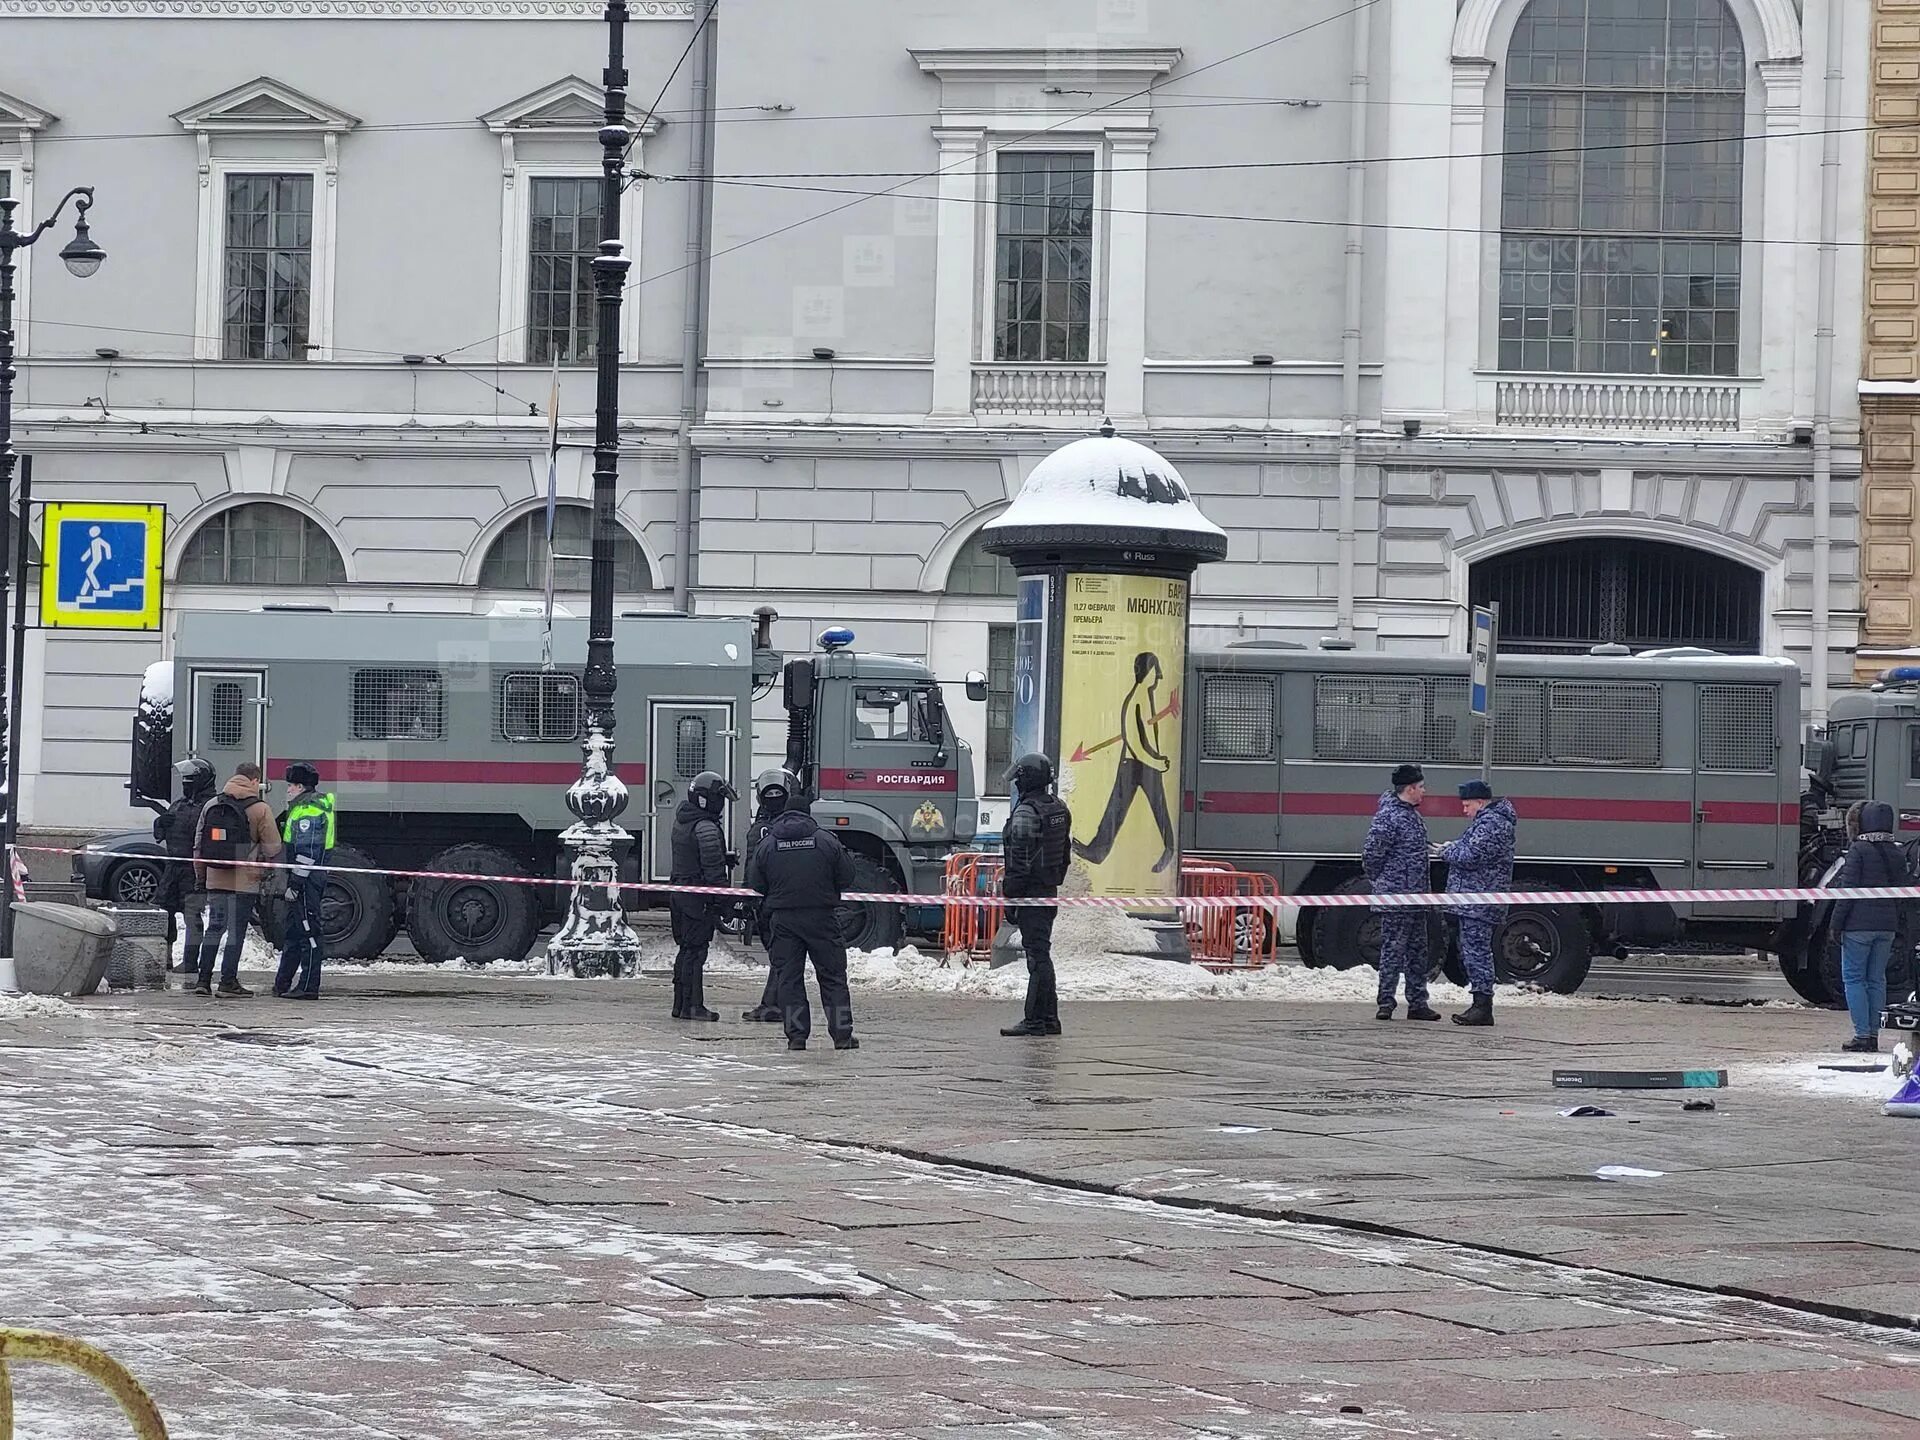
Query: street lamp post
[
  {"x": 596, "y": 938},
  {"x": 82, "y": 257}
]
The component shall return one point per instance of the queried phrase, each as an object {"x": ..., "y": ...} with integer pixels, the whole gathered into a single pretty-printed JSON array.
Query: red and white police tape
[{"x": 1136, "y": 902}]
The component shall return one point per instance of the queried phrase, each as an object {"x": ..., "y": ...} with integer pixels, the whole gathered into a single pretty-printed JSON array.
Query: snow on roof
[
  {"x": 1108, "y": 481},
  {"x": 156, "y": 685}
]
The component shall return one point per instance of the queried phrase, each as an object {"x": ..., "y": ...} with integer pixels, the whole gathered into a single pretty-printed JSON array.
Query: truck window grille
[
  {"x": 1375, "y": 717},
  {"x": 226, "y": 715},
  {"x": 540, "y": 706},
  {"x": 690, "y": 745},
  {"x": 1236, "y": 718},
  {"x": 399, "y": 705},
  {"x": 1737, "y": 728},
  {"x": 1603, "y": 723}
]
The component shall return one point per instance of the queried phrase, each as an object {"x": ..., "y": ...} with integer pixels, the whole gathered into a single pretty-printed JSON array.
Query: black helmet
[
  {"x": 710, "y": 791},
  {"x": 774, "y": 788},
  {"x": 195, "y": 776},
  {"x": 1030, "y": 773},
  {"x": 302, "y": 774}
]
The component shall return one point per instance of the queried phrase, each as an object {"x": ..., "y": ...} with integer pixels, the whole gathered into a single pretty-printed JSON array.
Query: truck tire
[
  {"x": 358, "y": 917},
  {"x": 1803, "y": 977},
  {"x": 1346, "y": 936},
  {"x": 476, "y": 920},
  {"x": 1305, "y": 936},
  {"x": 1543, "y": 945},
  {"x": 872, "y": 927}
]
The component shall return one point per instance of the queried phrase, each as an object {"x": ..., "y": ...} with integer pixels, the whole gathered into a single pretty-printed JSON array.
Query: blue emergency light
[
  {"x": 1900, "y": 675},
  {"x": 838, "y": 638}
]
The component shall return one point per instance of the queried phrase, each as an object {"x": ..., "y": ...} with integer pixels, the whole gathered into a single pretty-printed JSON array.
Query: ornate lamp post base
[{"x": 596, "y": 939}]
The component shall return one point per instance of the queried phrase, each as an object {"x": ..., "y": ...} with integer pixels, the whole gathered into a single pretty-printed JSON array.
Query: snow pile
[
  {"x": 35, "y": 1007},
  {"x": 1110, "y": 482},
  {"x": 1803, "y": 1076},
  {"x": 156, "y": 688}
]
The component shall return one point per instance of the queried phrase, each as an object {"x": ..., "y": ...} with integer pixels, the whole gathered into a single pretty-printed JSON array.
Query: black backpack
[{"x": 225, "y": 831}]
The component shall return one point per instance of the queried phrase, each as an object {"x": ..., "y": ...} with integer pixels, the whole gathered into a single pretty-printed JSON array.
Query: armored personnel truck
[{"x": 449, "y": 744}]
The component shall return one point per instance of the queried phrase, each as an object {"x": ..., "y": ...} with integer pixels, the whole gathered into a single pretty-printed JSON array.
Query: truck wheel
[
  {"x": 358, "y": 918},
  {"x": 1544, "y": 945},
  {"x": 1345, "y": 936},
  {"x": 872, "y": 927},
  {"x": 1452, "y": 968},
  {"x": 477, "y": 920},
  {"x": 1804, "y": 979},
  {"x": 1305, "y": 936}
]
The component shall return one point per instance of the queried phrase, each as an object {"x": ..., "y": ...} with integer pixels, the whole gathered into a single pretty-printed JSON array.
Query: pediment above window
[
  {"x": 570, "y": 107},
  {"x": 1114, "y": 84},
  {"x": 17, "y": 117},
  {"x": 265, "y": 106}
]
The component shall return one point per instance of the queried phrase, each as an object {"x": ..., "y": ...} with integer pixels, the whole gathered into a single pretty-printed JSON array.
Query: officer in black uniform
[
  {"x": 1037, "y": 839},
  {"x": 774, "y": 792},
  {"x": 800, "y": 870},
  {"x": 699, "y": 858}
]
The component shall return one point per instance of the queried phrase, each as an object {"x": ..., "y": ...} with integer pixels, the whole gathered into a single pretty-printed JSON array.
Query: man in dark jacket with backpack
[
  {"x": 801, "y": 871},
  {"x": 175, "y": 828},
  {"x": 1037, "y": 840},
  {"x": 1866, "y": 926},
  {"x": 699, "y": 858},
  {"x": 236, "y": 828}
]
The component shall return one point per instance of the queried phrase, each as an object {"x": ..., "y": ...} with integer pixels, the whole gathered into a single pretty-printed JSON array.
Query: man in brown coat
[{"x": 236, "y": 826}]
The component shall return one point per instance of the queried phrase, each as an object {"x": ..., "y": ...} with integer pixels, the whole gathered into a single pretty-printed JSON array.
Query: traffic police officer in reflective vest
[
  {"x": 1395, "y": 861},
  {"x": 1478, "y": 863},
  {"x": 800, "y": 870},
  {"x": 308, "y": 833},
  {"x": 699, "y": 858},
  {"x": 1037, "y": 840}
]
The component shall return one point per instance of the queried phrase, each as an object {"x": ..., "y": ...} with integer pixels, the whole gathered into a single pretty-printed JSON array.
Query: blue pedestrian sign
[{"x": 103, "y": 566}]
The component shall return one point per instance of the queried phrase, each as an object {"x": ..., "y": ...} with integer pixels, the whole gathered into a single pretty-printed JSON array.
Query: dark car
[{"x": 124, "y": 869}]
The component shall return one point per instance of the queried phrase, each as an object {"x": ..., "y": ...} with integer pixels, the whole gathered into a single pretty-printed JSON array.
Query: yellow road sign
[{"x": 102, "y": 566}]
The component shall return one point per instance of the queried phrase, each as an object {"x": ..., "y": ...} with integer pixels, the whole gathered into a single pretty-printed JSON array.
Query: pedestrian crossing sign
[{"x": 102, "y": 565}]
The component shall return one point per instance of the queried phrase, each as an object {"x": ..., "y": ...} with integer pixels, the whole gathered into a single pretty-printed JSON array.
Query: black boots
[
  {"x": 1480, "y": 1012},
  {"x": 1385, "y": 1012},
  {"x": 763, "y": 1013},
  {"x": 1422, "y": 1012},
  {"x": 1032, "y": 1027}
]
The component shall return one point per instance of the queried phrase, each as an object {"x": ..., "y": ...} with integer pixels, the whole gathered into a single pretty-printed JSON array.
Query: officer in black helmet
[
  {"x": 175, "y": 828},
  {"x": 801, "y": 871},
  {"x": 1037, "y": 838},
  {"x": 699, "y": 858},
  {"x": 775, "y": 792}
]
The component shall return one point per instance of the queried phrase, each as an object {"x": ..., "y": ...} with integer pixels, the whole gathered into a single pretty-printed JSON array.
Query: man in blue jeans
[{"x": 1866, "y": 925}]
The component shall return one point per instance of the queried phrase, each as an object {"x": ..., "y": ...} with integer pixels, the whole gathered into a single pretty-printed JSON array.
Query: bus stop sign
[{"x": 1482, "y": 659}]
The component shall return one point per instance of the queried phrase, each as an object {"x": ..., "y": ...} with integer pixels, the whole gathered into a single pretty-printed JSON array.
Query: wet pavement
[{"x": 457, "y": 1205}]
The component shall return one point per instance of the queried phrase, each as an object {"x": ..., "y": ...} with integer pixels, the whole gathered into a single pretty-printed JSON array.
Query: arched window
[
  {"x": 976, "y": 572},
  {"x": 518, "y": 559},
  {"x": 261, "y": 543},
  {"x": 1621, "y": 188}
]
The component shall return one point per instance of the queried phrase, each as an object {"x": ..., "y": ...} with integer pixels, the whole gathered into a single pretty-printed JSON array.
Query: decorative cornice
[{"x": 339, "y": 9}]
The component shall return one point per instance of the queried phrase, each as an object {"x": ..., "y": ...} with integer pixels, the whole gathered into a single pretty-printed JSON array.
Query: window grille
[
  {"x": 1603, "y": 723},
  {"x": 226, "y": 715},
  {"x": 542, "y": 706},
  {"x": 1236, "y": 718},
  {"x": 1375, "y": 718},
  {"x": 1519, "y": 722},
  {"x": 399, "y": 705},
  {"x": 1043, "y": 295},
  {"x": 269, "y": 259},
  {"x": 1737, "y": 727},
  {"x": 690, "y": 745},
  {"x": 518, "y": 559}
]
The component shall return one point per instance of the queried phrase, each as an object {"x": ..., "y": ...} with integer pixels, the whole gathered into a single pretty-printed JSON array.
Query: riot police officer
[
  {"x": 699, "y": 858},
  {"x": 1038, "y": 836},
  {"x": 774, "y": 792},
  {"x": 800, "y": 871}
]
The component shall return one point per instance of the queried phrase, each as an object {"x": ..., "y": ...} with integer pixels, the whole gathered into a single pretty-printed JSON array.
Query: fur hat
[
  {"x": 1476, "y": 790},
  {"x": 1406, "y": 775}
]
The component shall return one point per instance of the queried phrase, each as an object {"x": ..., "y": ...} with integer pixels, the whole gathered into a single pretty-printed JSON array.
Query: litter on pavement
[{"x": 1639, "y": 1079}]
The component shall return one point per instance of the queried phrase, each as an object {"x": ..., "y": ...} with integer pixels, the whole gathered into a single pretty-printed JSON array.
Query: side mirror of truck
[
  {"x": 797, "y": 694},
  {"x": 976, "y": 685},
  {"x": 1819, "y": 759}
]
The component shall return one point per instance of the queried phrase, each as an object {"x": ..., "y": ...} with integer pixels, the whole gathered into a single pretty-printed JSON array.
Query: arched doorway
[{"x": 1566, "y": 597}]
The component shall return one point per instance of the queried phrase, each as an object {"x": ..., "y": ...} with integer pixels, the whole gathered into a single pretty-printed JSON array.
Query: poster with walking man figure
[{"x": 1123, "y": 661}]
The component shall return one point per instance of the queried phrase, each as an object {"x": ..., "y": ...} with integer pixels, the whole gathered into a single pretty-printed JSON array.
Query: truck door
[
  {"x": 1737, "y": 810},
  {"x": 898, "y": 760},
  {"x": 1236, "y": 791},
  {"x": 229, "y": 718},
  {"x": 686, "y": 737}
]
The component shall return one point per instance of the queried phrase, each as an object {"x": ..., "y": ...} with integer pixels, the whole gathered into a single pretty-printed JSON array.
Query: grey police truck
[
  {"x": 1667, "y": 770},
  {"x": 450, "y": 745}
]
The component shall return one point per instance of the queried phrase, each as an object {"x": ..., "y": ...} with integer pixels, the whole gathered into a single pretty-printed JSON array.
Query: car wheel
[{"x": 135, "y": 882}]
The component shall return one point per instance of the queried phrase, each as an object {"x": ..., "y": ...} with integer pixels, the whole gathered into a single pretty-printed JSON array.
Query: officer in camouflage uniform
[
  {"x": 1479, "y": 862},
  {"x": 1395, "y": 861}
]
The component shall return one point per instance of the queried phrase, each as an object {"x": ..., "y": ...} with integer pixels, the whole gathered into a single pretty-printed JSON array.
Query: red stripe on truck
[
  {"x": 454, "y": 772},
  {"x": 1596, "y": 810},
  {"x": 933, "y": 782}
]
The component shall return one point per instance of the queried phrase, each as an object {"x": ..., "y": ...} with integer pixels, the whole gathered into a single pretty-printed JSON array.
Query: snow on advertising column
[{"x": 1105, "y": 538}]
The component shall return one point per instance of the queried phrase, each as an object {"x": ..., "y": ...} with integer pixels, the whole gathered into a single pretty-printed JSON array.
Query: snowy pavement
[{"x": 458, "y": 1205}]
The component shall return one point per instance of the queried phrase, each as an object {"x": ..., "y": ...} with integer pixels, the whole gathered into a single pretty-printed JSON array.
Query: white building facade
[{"x": 1549, "y": 301}]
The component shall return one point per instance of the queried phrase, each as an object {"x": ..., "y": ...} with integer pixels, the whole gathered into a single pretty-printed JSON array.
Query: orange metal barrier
[{"x": 973, "y": 876}]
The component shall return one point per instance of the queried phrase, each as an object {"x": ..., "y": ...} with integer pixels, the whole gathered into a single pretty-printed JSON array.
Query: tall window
[
  {"x": 566, "y": 234},
  {"x": 518, "y": 559},
  {"x": 261, "y": 544},
  {"x": 269, "y": 266},
  {"x": 1043, "y": 305},
  {"x": 1620, "y": 210}
]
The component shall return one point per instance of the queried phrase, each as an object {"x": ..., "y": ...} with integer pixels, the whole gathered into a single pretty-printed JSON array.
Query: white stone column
[
  {"x": 1472, "y": 257},
  {"x": 956, "y": 272},
  {"x": 1785, "y": 334},
  {"x": 1414, "y": 336},
  {"x": 1126, "y": 304}
]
